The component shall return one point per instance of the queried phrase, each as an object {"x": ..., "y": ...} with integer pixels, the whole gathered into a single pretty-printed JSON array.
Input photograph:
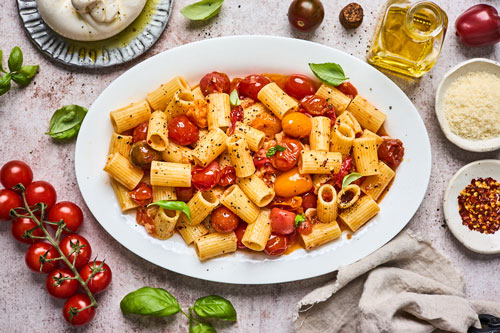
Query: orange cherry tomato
[
  {"x": 296, "y": 125},
  {"x": 292, "y": 183},
  {"x": 267, "y": 123}
]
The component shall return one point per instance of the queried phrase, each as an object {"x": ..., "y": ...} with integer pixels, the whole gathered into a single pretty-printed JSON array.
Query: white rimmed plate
[
  {"x": 271, "y": 55},
  {"x": 473, "y": 240}
]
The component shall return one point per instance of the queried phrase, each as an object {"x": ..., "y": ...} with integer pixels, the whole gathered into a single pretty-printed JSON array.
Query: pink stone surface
[{"x": 25, "y": 114}]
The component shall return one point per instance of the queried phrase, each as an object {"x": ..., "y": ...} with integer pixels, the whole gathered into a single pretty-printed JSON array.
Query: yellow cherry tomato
[
  {"x": 296, "y": 125},
  {"x": 292, "y": 183}
]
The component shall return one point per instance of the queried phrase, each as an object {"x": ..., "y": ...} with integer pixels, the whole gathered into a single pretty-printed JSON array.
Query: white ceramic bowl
[
  {"x": 473, "y": 240},
  {"x": 472, "y": 65}
]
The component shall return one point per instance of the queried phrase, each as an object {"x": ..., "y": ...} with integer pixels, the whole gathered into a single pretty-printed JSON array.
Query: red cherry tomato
[
  {"x": 140, "y": 132},
  {"x": 223, "y": 220},
  {"x": 38, "y": 253},
  {"x": 21, "y": 225},
  {"x": 348, "y": 89},
  {"x": 215, "y": 82},
  {"x": 15, "y": 172},
  {"x": 99, "y": 281},
  {"x": 61, "y": 288},
  {"x": 227, "y": 176},
  {"x": 8, "y": 200},
  {"x": 184, "y": 193},
  {"x": 299, "y": 86},
  {"x": 75, "y": 303},
  {"x": 287, "y": 159},
  {"x": 142, "y": 194},
  {"x": 240, "y": 231},
  {"x": 234, "y": 83},
  {"x": 67, "y": 211},
  {"x": 260, "y": 159},
  {"x": 282, "y": 221},
  {"x": 314, "y": 105},
  {"x": 82, "y": 255},
  {"x": 41, "y": 191},
  {"x": 305, "y": 228},
  {"x": 276, "y": 245},
  {"x": 391, "y": 152},
  {"x": 251, "y": 85},
  {"x": 182, "y": 131},
  {"x": 203, "y": 179},
  {"x": 309, "y": 200}
]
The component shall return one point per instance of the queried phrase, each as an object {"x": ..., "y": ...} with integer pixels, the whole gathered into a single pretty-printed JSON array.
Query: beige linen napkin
[{"x": 405, "y": 286}]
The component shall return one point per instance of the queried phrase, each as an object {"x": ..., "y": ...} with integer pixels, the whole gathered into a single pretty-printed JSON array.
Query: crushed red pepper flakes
[{"x": 479, "y": 205}]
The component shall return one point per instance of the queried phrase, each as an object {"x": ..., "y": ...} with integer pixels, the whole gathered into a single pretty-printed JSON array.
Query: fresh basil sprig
[
  {"x": 214, "y": 306},
  {"x": 173, "y": 205},
  {"x": 66, "y": 122},
  {"x": 352, "y": 177},
  {"x": 273, "y": 150},
  {"x": 22, "y": 75},
  {"x": 202, "y": 10},
  {"x": 299, "y": 218},
  {"x": 329, "y": 72},
  {"x": 234, "y": 99}
]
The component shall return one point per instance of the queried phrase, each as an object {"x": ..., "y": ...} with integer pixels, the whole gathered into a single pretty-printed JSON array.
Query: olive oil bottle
[{"x": 409, "y": 37}]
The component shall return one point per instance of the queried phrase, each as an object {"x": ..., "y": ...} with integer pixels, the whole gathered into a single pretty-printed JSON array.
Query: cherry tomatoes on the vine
[
  {"x": 69, "y": 212},
  {"x": 182, "y": 131},
  {"x": 15, "y": 172},
  {"x": 39, "y": 253},
  {"x": 299, "y": 86},
  {"x": 99, "y": 281},
  {"x": 8, "y": 200},
  {"x": 41, "y": 191},
  {"x": 73, "y": 305},
  {"x": 251, "y": 85},
  {"x": 20, "y": 227},
  {"x": 58, "y": 287},
  {"x": 76, "y": 245},
  {"x": 215, "y": 82}
]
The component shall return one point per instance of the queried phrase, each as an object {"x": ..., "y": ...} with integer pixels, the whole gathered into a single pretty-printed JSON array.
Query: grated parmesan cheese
[{"x": 472, "y": 106}]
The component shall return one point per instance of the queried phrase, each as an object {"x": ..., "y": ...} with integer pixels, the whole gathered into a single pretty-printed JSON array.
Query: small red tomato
[
  {"x": 309, "y": 200},
  {"x": 142, "y": 194},
  {"x": 287, "y": 159},
  {"x": 75, "y": 303},
  {"x": 282, "y": 221},
  {"x": 140, "y": 132},
  {"x": 76, "y": 245},
  {"x": 203, "y": 179},
  {"x": 215, "y": 82},
  {"x": 234, "y": 83},
  {"x": 299, "y": 86},
  {"x": 184, "y": 193},
  {"x": 20, "y": 228},
  {"x": 240, "y": 231},
  {"x": 8, "y": 200},
  {"x": 41, "y": 191},
  {"x": 227, "y": 176},
  {"x": 391, "y": 152},
  {"x": 305, "y": 228},
  {"x": 348, "y": 89},
  {"x": 276, "y": 245},
  {"x": 251, "y": 85},
  {"x": 314, "y": 105},
  {"x": 182, "y": 131},
  {"x": 223, "y": 220},
  {"x": 100, "y": 280},
  {"x": 15, "y": 172},
  {"x": 37, "y": 254},
  {"x": 58, "y": 287},
  {"x": 67, "y": 211}
]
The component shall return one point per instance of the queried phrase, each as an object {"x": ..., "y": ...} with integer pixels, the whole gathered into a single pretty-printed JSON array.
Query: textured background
[{"x": 25, "y": 114}]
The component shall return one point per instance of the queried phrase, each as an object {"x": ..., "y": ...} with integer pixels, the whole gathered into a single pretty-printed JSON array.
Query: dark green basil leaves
[
  {"x": 22, "y": 75},
  {"x": 66, "y": 122},
  {"x": 214, "y": 306},
  {"x": 329, "y": 73},
  {"x": 147, "y": 301},
  {"x": 202, "y": 10}
]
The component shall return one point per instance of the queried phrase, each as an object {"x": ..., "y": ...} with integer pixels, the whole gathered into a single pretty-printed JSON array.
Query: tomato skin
[
  {"x": 140, "y": 132},
  {"x": 282, "y": 221},
  {"x": 251, "y": 85},
  {"x": 142, "y": 194},
  {"x": 182, "y": 131},
  {"x": 344, "y": 171},
  {"x": 236, "y": 115},
  {"x": 223, "y": 220},
  {"x": 305, "y": 228},
  {"x": 227, "y": 176},
  {"x": 41, "y": 191},
  {"x": 22, "y": 224},
  {"x": 240, "y": 231},
  {"x": 215, "y": 82},
  {"x": 63, "y": 289},
  {"x": 391, "y": 152},
  {"x": 276, "y": 245},
  {"x": 203, "y": 179},
  {"x": 348, "y": 89},
  {"x": 299, "y": 86},
  {"x": 267, "y": 123},
  {"x": 286, "y": 160},
  {"x": 309, "y": 200},
  {"x": 142, "y": 217},
  {"x": 37, "y": 250},
  {"x": 82, "y": 256},
  {"x": 69, "y": 212},
  {"x": 8, "y": 200},
  {"x": 314, "y": 105},
  {"x": 78, "y": 301},
  {"x": 101, "y": 280},
  {"x": 184, "y": 193},
  {"x": 15, "y": 172}
]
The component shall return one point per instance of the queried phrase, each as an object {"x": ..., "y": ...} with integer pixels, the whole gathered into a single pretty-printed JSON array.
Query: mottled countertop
[{"x": 25, "y": 114}]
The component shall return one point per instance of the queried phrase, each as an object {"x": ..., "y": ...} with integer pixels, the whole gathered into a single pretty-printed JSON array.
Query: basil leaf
[
  {"x": 234, "y": 99},
  {"x": 173, "y": 205},
  {"x": 329, "y": 73},
  {"x": 24, "y": 76},
  {"x": 29, "y": 71},
  {"x": 214, "y": 307},
  {"x": 352, "y": 177},
  {"x": 273, "y": 150},
  {"x": 20, "y": 79},
  {"x": 147, "y": 301},
  {"x": 15, "y": 59},
  {"x": 66, "y": 122},
  {"x": 5, "y": 83},
  {"x": 202, "y": 10},
  {"x": 299, "y": 218},
  {"x": 1, "y": 66},
  {"x": 202, "y": 328}
]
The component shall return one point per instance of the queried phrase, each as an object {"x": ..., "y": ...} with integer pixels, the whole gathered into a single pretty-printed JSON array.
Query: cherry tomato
[
  {"x": 306, "y": 15},
  {"x": 296, "y": 125},
  {"x": 223, "y": 220},
  {"x": 276, "y": 245},
  {"x": 391, "y": 152},
  {"x": 299, "y": 86},
  {"x": 348, "y": 89},
  {"x": 67, "y": 211},
  {"x": 287, "y": 159},
  {"x": 240, "y": 231},
  {"x": 314, "y": 105},
  {"x": 309, "y": 200},
  {"x": 8, "y": 200},
  {"x": 251, "y": 85},
  {"x": 227, "y": 176},
  {"x": 182, "y": 131},
  {"x": 75, "y": 303},
  {"x": 41, "y": 191},
  {"x": 143, "y": 217},
  {"x": 15, "y": 172},
  {"x": 234, "y": 83},
  {"x": 289, "y": 204},
  {"x": 142, "y": 194},
  {"x": 82, "y": 255},
  {"x": 99, "y": 281},
  {"x": 61, "y": 288},
  {"x": 22, "y": 225},
  {"x": 184, "y": 193},
  {"x": 215, "y": 82},
  {"x": 203, "y": 179},
  {"x": 282, "y": 221},
  {"x": 305, "y": 228},
  {"x": 141, "y": 155},
  {"x": 140, "y": 132},
  {"x": 267, "y": 123},
  {"x": 292, "y": 183},
  {"x": 38, "y": 253}
]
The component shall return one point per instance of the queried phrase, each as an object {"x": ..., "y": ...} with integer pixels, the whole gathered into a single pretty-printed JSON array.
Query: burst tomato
[
  {"x": 223, "y": 220},
  {"x": 76, "y": 245},
  {"x": 140, "y": 132},
  {"x": 348, "y": 89},
  {"x": 203, "y": 179},
  {"x": 314, "y": 105},
  {"x": 251, "y": 85},
  {"x": 215, "y": 82},
  {"x": 227, "y": 176},
  {"x": 20, "y": 228},
  {"x": 236, "y": 115},
  {"x": 8, "y": 200},
  {"x": 142, "y": 194},
  {"x": 282, "y": 221},
  {"x": 309, "y": 200},
  {"x": 240, "y": 231},
  {"x": 101, "y": 280},
  {"x": 184, "y": 193},
  {"x": 38, "y": 254},
  {"x": 305, "y": 228},
  {"x": 391, "y": 152},
  {"x": 344, "y": 171},
  {"x": 58, "y": 287},
  {"x": 15, "y": 172},
  {"x": 182, "y": 131},
  {"x": 287, "y": 159},
  {"x": 299, "y": 86},
  {"x": 276, "y": 245},
  {"x": 67, "y": 211}
]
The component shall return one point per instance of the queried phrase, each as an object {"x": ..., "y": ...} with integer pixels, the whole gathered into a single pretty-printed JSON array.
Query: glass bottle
[{"x": 409, "y": 37}]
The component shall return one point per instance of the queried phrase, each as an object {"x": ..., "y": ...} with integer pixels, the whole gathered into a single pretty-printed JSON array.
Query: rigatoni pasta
[
  {"x": 375, "y": 185},
  {"x": 321, "y": 233},
  {"x": 210, "y": 147},
  {"x": 361, "y": 212},
  {"x": 277, "y": 100},
  {"x": 160, "y": 98},
  {"x": 170, "y": 174},
  {"x": 256, "y": 189},
  {"x": 366, "y": 114},
  {"x": 327, "y": 204},
  {"x": 200, "y": 206},
  {"x": 123, "y": 171},
  {"x": 365, "y": 152},
  {"x": 180, "y": 104},
  {"x": 253, "y": 137},
  {"x": 164, "y": 193},
  {"x": 120, "y": 144},
  {"x": 334, "y": 97},
  {"x": 157, "y": 136},
  {"x": 234, "y": 199},
  {"x": 214, "y": 245},
  {"x": 130, "y": 116},
  {"x": 342, "y": 139},
  {"x": 240, "y": 156},
  {"x": 257, "y": 234},
  {"x": 219, "y": 111},
  {"x": 319, "y": 162},
  {"x": 319, "y": 139},
  {"x": 123, "y": 197}
]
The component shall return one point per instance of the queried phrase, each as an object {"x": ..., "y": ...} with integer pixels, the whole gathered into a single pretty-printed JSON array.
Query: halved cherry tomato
[
  {"x": 41, "y": 191},
  {"x": 287, "y": 159},
  {"x": 240, "y": 231},
  {"x": 101, "y": 280},
  {"x": 142, "y": 194},
  {"x": 391, "y": 152},
  {"x": 140, "y": 132},
  {"x": 8, "y": 200},
  {"x": 67, "y": 211},
  {"x": 75, "y": 303},
  {"x": 15, "y": 172},
  {"x": 227, "y": 176},
  {"x": 203, "y": 179},
  {"x": 251, "y": 85},
  {"x": 282, "y": 221},
  {"x": 182, "y": 131},
  {"x": 309, "y": 200},
  {"x": 314, "y": 105},
  {"x": 69, "y": 246},
  {"x": 21, "y": 225},
  {"x": 299, "y": 86},
  {"x": 348, "y": 89},
  {"x": 330, "y": 113},
  {"x": 305, "y": 228},
  {"x": 61, "y": 288},
  {"x": 223, "y": 220},
  {"x": 276, "y": 245},
  {"x": 215, "y": 82},
  {"x": 38, "y": 253},
  {"x": 184, "y": 193}
]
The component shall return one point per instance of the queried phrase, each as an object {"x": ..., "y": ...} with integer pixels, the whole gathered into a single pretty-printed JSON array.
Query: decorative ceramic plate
[
  {"x": 136, "y": 39},
  {"x": 265, "y": 55}
]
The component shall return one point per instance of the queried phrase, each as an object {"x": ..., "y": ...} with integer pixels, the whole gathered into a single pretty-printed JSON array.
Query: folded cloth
[{"x": 405, "y": 286}]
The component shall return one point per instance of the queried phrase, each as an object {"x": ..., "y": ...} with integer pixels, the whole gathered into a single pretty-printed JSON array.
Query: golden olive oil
[{"x": 408, "y": 38}]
